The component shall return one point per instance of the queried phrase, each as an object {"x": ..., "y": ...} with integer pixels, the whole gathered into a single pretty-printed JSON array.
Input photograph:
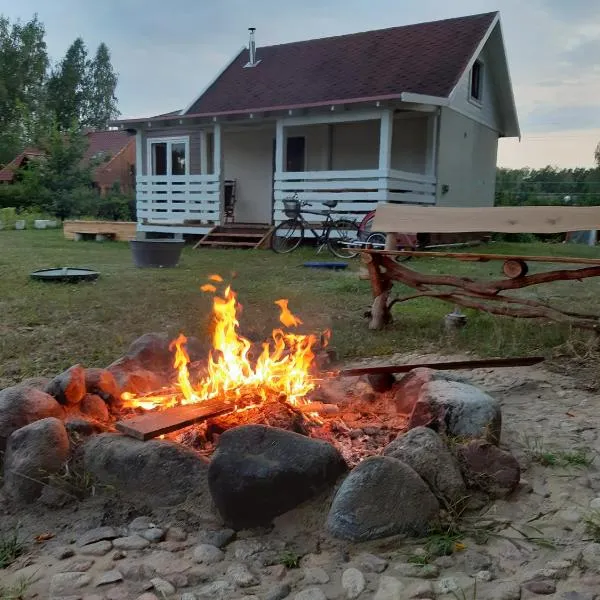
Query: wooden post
[
  {"x": 391, "y": 241},
  {"x": 432, "y": 137},
  {"x": 279, "y": 146},
  {"x": 386, "y": 129},
  {"x": 380, "y": 286},
  {"x": 139, "y": 167},
  {"x": 218, "y": 168},
  {"x": 203, "y": 153}
]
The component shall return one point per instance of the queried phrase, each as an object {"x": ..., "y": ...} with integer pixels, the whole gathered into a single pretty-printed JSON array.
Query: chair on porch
[{"x": 229, "y": 200}]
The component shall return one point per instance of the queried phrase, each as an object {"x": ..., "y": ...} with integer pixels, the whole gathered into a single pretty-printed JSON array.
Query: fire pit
[{"x": 267, "y": 426}]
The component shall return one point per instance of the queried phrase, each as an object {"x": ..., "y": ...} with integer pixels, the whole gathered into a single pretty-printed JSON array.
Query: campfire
[{"x": 275, "y": 383}]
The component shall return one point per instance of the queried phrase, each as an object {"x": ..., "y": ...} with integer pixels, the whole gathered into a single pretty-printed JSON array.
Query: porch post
[
  {"x": 203, "y": 153},
  {"x": 279, "y": 146},
  {"x": 385, "y": 160},
  {"x": 217, "y": 154},
  {"x": 432, "y": 136},
  {"x": 138, "y": 154}
]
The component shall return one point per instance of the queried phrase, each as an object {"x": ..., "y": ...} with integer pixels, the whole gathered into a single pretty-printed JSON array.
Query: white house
[{"x": 406, "y": 114}]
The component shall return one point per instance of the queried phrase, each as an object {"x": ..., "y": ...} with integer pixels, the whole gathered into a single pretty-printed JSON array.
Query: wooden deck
[{"x": 121, "y": 231}]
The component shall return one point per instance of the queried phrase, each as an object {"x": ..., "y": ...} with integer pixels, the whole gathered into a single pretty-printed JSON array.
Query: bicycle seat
[{"x": 330, "y": 203}]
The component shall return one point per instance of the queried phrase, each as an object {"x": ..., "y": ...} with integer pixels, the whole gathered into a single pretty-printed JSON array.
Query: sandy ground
[{"x": 540, "y": 533}]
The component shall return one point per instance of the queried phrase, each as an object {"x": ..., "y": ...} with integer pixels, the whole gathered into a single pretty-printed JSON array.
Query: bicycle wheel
[
  {"x": 342, "y": 233},
  {"x": 287, "y": 236}
]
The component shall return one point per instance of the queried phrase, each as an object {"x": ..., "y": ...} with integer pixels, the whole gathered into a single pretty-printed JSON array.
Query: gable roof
[
  {"x": 425, "y": 58},
  {"x": 8, "y": 172}
]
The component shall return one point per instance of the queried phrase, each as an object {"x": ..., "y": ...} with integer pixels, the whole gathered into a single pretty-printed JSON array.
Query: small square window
[{"x": 476, "y": 91}]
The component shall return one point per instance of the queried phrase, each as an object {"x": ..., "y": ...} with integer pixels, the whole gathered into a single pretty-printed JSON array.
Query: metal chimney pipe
[{"x": 252, "y": 47}]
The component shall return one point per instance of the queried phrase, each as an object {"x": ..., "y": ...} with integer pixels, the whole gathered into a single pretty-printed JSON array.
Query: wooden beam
[
  {"x": 483, "y": 257},
  {"x": 486, "y": 363},
  {"x": 153, "y": 424},
  {"x": 502, "y": 219}
]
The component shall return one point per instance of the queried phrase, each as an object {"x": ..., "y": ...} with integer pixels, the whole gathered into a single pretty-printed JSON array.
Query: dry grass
[{"x": 48, "y": 327}]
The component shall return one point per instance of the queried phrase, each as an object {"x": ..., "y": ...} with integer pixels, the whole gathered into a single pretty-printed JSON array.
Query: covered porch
[{"x": 186, "y": 173}]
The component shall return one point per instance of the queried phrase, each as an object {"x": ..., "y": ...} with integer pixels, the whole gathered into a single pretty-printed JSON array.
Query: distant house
[
  {"x": 111, "y": 152},
  {"x": 406, "y": 114}
]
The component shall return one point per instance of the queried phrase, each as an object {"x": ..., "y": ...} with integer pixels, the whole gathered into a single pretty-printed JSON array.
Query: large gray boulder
[
  {"x": 259, "y": 472},
  {"x": 152, "y": 352},
  {"x": 382, "y": 496},
  {"x": 33, "y": 453},
  {"x": 68, "y": 387},
  {"x": 156, "y": 472},
  {"x": 101, "y": 382},
  {"x": 21, "y": 405},
  {"x": 458, "y": 410},
  {"x": 422, "y": 449},
  {"x": 130, "y": 376}
]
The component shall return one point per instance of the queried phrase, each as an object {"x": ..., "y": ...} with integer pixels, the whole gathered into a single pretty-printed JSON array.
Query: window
[
  {"x": 168, "y": 156},
  {"x": 295, "y": 153},
  {"x": 476, "y": 92}
]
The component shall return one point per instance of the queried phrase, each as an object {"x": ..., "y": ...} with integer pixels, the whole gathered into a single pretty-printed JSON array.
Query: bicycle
[{"x": 338, "y": 235}]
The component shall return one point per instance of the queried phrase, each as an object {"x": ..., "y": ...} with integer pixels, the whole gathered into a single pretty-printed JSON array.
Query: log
[
  {"x": 485, "y": 363},
  {"x": 515, "y": 268},
  {"x": 155, "y": 423}
]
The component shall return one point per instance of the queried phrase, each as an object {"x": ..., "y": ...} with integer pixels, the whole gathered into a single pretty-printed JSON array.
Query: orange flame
[
  {"x": 216, "y": 278},
  {"x": 286, "y": 317},
  {"x": 208, "y": 287},
  {"x": 281, "y": 370}
]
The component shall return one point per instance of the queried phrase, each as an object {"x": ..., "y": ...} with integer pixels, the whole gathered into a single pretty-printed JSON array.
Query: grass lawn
[{"x": 45, "y": 327}]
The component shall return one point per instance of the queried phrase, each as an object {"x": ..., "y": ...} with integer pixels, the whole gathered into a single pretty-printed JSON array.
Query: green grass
[
  {"x": 547, "y": 457},
  {"x": 11, "y": 547},
  {"x": 45, "y": 328},
  {"x": 16, "y": 591}
]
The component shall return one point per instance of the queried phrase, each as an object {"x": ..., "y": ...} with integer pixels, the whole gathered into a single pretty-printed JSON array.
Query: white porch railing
[
  {"x": 176, "y": 199},
  {"x": 356, "y": 192}
]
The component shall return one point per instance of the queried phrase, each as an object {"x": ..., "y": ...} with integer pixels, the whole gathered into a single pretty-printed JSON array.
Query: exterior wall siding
[
  {"x": 409, "y": 145},
  {"x": 487, "y": 112},
  {"x": 466, "y": 161},
  {"x": 248, "y": 159}
]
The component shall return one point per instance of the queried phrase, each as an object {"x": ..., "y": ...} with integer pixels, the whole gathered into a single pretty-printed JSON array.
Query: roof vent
[{"x": 252, "y": 62}]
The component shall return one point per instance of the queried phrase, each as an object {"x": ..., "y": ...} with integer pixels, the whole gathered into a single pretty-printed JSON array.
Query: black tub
[{"x": 156, "y": 253}]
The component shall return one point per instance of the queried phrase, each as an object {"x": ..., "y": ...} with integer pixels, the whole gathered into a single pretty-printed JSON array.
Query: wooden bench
[
  {"x": 121, "y": 231},
  {"x": 384, "y": 268}
]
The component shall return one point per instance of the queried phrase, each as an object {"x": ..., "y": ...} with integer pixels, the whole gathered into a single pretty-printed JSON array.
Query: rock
[
  {"x": 259, "y": 472},
  {"x": 371, "y": 563},
  {"x": 458, "y": 410},
  {"x": 504, "y": 590},
  {"x": 148, "y": 596},
  {"x": 219, "y": 538},
  {"x": 22, "y": 405},
  {"x": 314, "y": 575},
  {"x": 101, "y": 382},
  {"x": 241, "y": 576},
  {"x": 119, "y": 555},
  {"x": 68, "y": 387},
  {"x": 94, "y": 407},
  {"x": 474, "y": 561},
  {"x": 78, "y": 566},
  {"x": 33, "y": 453},
  {"x": 39, "y": 383},
  {"x": 162, "y": 586},
  {"x": 579, "y": 596},
  {"x": 381, "y": 382},
  {"x": 140, "y": 524},
  {"x": 389, "y": 589},
  {"x": 406, "y": 390},
  {"x": 131, "y": 377},
  {"x": 382, "y": 496},
  {"x": 595, "y": 504},
  {"x": 311, "y": 593},
  {"x": 278, "y": 592},
  {"x": 131, "y": 542},
  {"x": 540, "y": 586},
  {"x": 131, "y": 466},
  {"x": 415, "y": 570},
  {"x": 96, "y": 535},
  {"x": 152, "y": 352},
  {"x": 217, "y": 590},
  {"x": 63, "y": 552},
  {"x": 423, "y": 450},
  {"x": 79, "y": 428},
  {"x": 187, "y": 596},
  {"x": 420, "y": 590},
  {"x": 177, "y": 534},
  {"x": 167, "y": 564},
  {"x": 353, "y": 582},
  {"x": 63, "y": 584},
  {"x": 54, "y": 497},
  {"x": 97, "y": 548},
  {"x": 484, "y": 576},
  {"x": 489, "y": 468},
  {"x": 154, "y": 534},
  {"x": 108, "y": 578},
  {"x": 207, "y": 555}
]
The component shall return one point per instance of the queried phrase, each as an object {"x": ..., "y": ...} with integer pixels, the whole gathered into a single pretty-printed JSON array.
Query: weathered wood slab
[
  {"x": 121, "y": 230},
  {"x": 153, "y": 424},
  {"x": 395, "y": 218},
  {"x": 485, "y": 363},
  {"x": 484, "y": 257}
]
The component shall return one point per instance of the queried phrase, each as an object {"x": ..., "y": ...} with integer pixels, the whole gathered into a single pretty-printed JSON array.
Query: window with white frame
[
  {"x": 476, "y": 83},
  {"x": 169, "y": 156}
]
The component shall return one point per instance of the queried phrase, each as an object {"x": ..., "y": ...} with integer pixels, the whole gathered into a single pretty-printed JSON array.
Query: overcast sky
[{"x": 166, "y": 52}]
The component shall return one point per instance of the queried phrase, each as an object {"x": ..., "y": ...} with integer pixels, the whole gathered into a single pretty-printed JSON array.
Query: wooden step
[
  {"x": 232, "y": 244},
  {"x": 238, "y": 235}
]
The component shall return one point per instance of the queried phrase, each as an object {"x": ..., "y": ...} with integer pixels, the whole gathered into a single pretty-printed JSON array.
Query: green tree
[
  {"x": 597, "y": 155},
  {"x": 23, "y": 74},
  {"x": 102, "y": 81},
  {"x": 68, "y": 87}
]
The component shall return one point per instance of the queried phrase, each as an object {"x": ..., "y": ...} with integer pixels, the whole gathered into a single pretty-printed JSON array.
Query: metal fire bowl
[{"x": 65, "y": 275}]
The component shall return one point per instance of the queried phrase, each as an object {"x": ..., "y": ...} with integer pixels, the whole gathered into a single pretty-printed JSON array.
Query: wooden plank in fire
[{"x": 151, "y": 425}]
